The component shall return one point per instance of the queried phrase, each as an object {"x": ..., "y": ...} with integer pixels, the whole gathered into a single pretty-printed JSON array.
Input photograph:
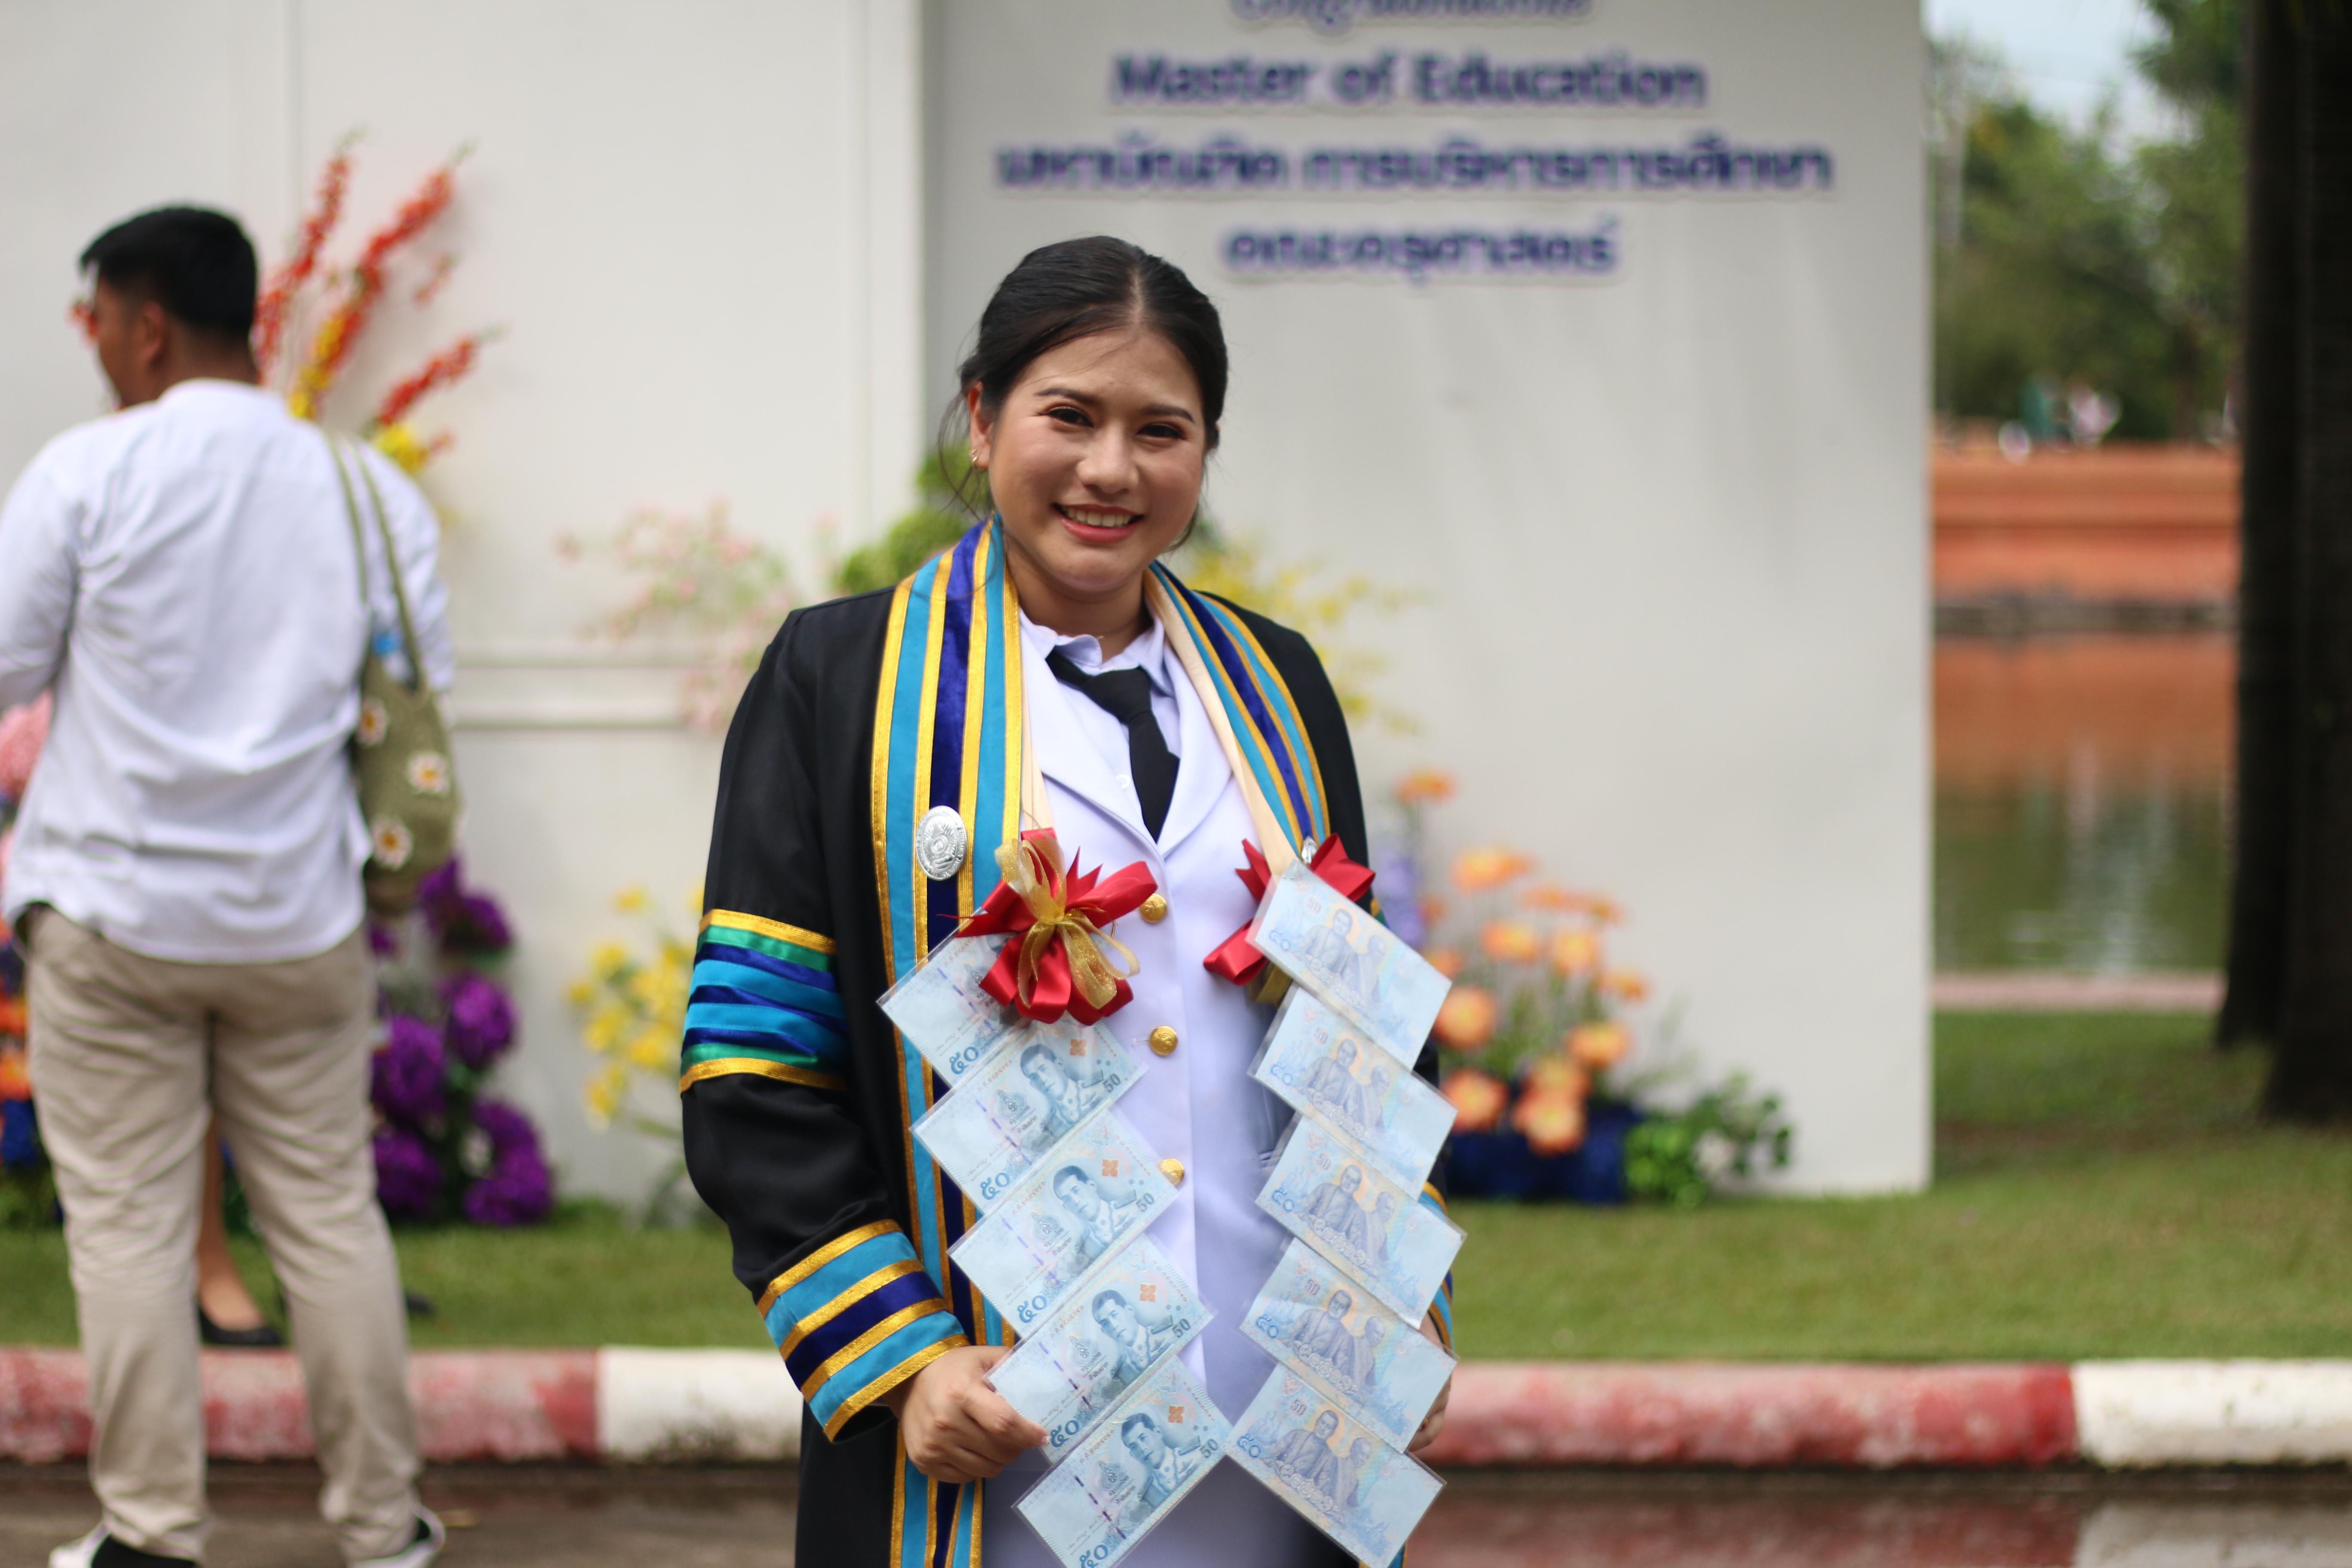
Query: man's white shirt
[{"x": 182, "y": 575}]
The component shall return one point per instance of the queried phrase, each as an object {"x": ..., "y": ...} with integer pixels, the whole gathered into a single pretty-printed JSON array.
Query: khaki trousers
[{"x": 129, "y": 1056}]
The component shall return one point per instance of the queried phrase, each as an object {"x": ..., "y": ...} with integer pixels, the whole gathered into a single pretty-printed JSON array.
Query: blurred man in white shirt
[{"x": 187, "y": 882}]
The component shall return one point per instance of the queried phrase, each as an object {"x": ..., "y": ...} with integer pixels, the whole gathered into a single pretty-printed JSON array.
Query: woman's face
[{"x": 1095, "y": 458}]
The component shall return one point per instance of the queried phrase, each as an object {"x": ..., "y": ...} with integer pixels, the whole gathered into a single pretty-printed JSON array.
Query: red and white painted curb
[{"x": 628, "y": 1405}]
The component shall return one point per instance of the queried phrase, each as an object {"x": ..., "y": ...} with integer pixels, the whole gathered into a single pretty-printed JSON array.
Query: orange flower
[
  {"x": 1607, "y": 910},
  {"x": 1551, "y": 1124},
  {"x": 1599, "y": 1046},
  {"x": 1478, "y": 1098},
  {"x": 12, "y": 1016},
  {"x": 1446, "y": 961},
  {"x": 17, "y": 1082},
  {"x": 1432, "y": 909},
  {"x": 1511, "y": 941},
  {"x": 1426, "y": 786},
  {"x": 1553, "y": 897},
  {"x": 1477, "y": 870},
  {"x": 1557, "y": 1076},
  {"x": 1627, "y": 985},
  {"x": 1468, "y": 1020},
  {"x": 1574, "y": 952}
]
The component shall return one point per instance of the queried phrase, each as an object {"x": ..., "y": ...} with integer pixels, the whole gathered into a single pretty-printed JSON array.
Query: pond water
[{"x": 2081, "y": 801}]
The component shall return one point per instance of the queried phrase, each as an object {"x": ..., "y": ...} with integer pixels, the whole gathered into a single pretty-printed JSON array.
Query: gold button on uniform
[
  {"x": 1163, "y": 1041},
  {"x": 1154, "y": 909},
  {"x": 1174, "y": 1169}
]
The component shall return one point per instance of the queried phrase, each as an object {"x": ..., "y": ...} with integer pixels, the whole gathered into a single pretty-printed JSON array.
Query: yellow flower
[
  {"x": 653, "y": 1049},
  {"x": 1599, "y": 1046},
  {"x": 579, "y": 993},
  {"x": 610, "y": 961},
  {"x": 1627, "y": 985},
  {"x": 1477, "y": 870},
  {"x": 1478, "y": 1098},
  {"x": 401, "y": 444},
  {"x": 1511, "y": 941},
  {"x": 1574, "y": 952},
  {"x": 605, "y": 1027},
  {"x": 629, "y": 901},
  {"x": 1426, "y": 786},
  {"x": 1467, "y": 1021},
  {"x": 604, "y": 1096}
]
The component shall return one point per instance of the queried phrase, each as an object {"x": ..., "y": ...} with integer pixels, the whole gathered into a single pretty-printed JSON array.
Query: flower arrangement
[
  {"x": 28, "y": 1193},
  {"x": 329, "y": 307},
  {"x": 444, "y": 1149},
  {"x": 1537, "y": 1034},
  {"x": 632, "y": 1006}
]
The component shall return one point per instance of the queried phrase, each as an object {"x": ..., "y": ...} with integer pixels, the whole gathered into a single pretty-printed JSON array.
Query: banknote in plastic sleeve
[
  {"x": 1319, "y": 1062},
  {"x": 1333, "y": 1469},
  {"x": 1066, "y": 1215},
  {"x": 1357, "y": 965},
  {"x": 1125, "y": 1476},
  {"x": 945, "y": 1015},
  {"x": 1009, "y": 1112},
  {"x": 1130, "y": 1314},
  {"x": 1329, "y": 1193},
  {"x": 1324, "y": 1326}
]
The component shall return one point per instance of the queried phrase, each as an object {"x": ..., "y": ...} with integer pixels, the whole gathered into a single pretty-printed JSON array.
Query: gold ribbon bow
[{"x": 1060, "y": 907}]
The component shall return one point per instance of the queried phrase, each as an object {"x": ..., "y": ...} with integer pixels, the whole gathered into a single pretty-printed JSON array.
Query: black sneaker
[{"x": 99, "y": 1550}]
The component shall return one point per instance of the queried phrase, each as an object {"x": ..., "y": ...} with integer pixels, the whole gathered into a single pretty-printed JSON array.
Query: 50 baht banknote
[
  {"x": 943, "y": 1012},
  {"x": 1009, "y": 1112},
  {"x": 1124, "y": 1477},
  {"x": 1135, "y": 1312},
  {"x": 1330, "y": 1330},
  {"x": 1327, "y": 1192},
  {"x": 1332, "y": 1468},
  {"x": 1321, "y": 1062},
  {"x": 1357, "y": 965},
  {"x": 1101, "y": 1186}
]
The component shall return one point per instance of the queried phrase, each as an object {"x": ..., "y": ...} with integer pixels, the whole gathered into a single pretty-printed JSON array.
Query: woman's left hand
[{"x": 1435, "y": 1422}]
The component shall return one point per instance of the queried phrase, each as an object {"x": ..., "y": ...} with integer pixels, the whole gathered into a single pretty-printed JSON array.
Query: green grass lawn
[{"x": 2101, "y": 1189}]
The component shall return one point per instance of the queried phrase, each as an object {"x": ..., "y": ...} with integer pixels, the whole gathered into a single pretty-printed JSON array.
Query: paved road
[{"x": 585, "y": 1518}]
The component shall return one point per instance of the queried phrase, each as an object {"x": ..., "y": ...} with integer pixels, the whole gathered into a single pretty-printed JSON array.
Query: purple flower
[
  {"x": 517, "y": 1191},
  {"x": 481, "y": 1023},
  {"x": 380, "y": 941},
  {"x": 474, "y": 923},
  {"x": 407, "y": 1177},
  {"x": 439, "y": 890},
  {"x": 406, "y": 1076},
  {"x": 508, "y": 1129}
]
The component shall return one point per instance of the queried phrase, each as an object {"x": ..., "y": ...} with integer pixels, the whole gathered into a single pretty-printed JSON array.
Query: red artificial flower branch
[
  {"x": 443, "y": 369},
  {"x": 327, "y": 210}
]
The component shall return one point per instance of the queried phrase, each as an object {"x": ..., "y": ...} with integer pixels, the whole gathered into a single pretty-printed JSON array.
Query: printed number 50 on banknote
[
  {"x": 1134, "y": 1312},
  {"x": 1349, "y": 960},
  {"x": 1124, "y": 1478},
  {"x": 1062, "y": 1218},
  {"x": 1357, "y": 1490},
  {"x": 1326, "y": 1191},
  {"x": 1319, "y": 1062}
]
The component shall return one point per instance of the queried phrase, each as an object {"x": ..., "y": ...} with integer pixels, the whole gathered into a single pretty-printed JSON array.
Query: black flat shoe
[{"x": 264, "y": 1338}]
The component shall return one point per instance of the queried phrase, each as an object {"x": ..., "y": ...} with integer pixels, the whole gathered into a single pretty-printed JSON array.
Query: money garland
[
  {"x": 1354, "y": 1375},
  {"x": 1065, "y": 1191}
]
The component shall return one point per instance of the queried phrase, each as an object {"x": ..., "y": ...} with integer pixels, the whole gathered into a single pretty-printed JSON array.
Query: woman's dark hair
[
  {"x": 195, "y": 263},
  {"x": 1075, "y": 287}
]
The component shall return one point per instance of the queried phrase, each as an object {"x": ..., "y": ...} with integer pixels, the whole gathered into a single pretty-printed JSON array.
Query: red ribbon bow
[
  {"x": 1056, "y": 965},
  {"x": 1237, "y": 960}
]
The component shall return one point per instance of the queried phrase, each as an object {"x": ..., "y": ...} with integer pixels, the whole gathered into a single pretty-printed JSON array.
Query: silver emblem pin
[{"x": 940, "y": 843}]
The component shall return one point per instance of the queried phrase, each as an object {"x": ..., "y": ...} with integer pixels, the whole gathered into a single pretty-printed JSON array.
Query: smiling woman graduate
[{"x": 1048, "y": 673}]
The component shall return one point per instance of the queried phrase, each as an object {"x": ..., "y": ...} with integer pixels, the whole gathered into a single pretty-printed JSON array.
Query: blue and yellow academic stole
[{"x": 948, "y": 730}]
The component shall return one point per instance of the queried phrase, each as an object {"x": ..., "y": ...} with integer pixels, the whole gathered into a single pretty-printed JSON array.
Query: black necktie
[{"x": 1126, "y": 695}]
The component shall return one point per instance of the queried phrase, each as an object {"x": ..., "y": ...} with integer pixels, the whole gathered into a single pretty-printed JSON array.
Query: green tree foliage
[{"x": 2061, "y": 257}]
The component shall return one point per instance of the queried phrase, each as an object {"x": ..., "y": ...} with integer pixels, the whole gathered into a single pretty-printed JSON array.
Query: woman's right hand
[{"x": 957, "y": 1428}]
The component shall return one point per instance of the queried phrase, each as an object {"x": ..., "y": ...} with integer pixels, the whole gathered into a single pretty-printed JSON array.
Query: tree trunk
[
  {"x": 2310, "y": 1074},
  {"x": 2270, "y": 415}
]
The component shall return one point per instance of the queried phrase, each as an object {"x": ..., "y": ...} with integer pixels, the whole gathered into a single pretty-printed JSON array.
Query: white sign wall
[{"x": 1602, "y": 323}]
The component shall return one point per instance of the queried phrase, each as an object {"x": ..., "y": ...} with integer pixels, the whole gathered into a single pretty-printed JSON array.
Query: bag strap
[{"x": 391, "y": 561}]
